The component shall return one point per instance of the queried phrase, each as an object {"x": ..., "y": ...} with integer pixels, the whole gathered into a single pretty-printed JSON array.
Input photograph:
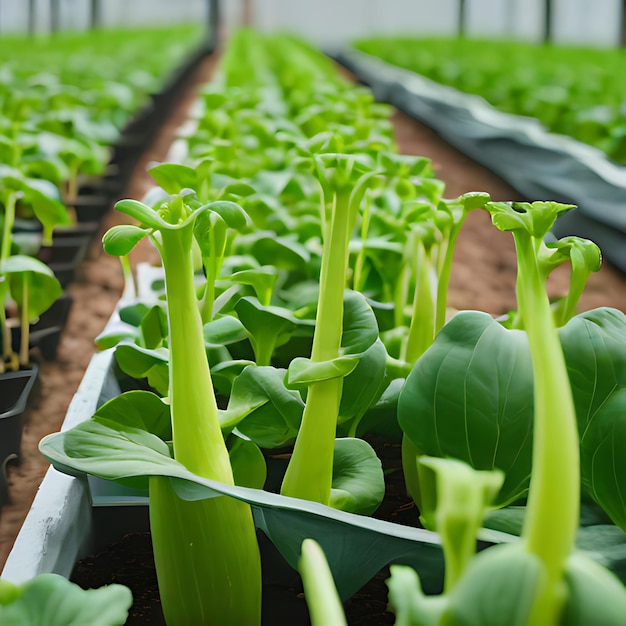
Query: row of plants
[
  {"x": 571, "y": 90},
  {"x": 303, "y": 306},
  {"x": 68, "y": 105}
]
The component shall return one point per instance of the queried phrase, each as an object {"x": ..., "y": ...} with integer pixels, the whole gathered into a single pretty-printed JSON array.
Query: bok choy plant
[
  {"x": 344, "y": 180},
  {"x": 540, "y": 580},
  {"x": 206, "y": 551}
]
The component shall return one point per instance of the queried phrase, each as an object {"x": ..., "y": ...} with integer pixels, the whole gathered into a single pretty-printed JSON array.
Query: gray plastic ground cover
[{"x": 538, "y": 164}]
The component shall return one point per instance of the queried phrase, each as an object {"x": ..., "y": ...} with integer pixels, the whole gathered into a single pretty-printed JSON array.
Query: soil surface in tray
[{"x": 483, "y": 277}]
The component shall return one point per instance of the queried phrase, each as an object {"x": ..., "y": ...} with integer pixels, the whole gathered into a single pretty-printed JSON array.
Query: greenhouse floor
[{"x": 483, "y": 277}]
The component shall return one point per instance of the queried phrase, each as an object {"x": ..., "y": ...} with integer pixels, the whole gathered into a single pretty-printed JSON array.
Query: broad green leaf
[
  {"x": 358, "y": 483},
  {"x": 225, "y": 373},
  {"x": 119, "y": 333},
  {"x": 357, "y": 546},
  {"x": 262, "y": 408},
  {"x": 595, "y": 595},
  {"x": 48, "y": 210},
  {"x": 470, "y": 397},
  {"x": 142, "y": 410},
  {"x": 174, "y": 177},
  {"x": 605, "y": 544},
  {"x": 143, "y": 363},
  {"x": 499, "y": 587},
  {"x": 107, "y": 449},
  {"x": 29, "y": 276},
  {"x": 224, "y": 330},
  {"x": 282, "y": 252},
  {"x": 360, "y": 329},
  {"x": 247, "y": 461},
  {"x": 383, "y": 416},
  {"x": 361, "y": 387},
  {"x": 133, "y": 313},
  {"x": 303, "y": 371},
  {"x": 154, "y": 327},
  {"x": 234, "y": 216},
  {"x": 52, "y": 600},
  {"x": 120, "y": 240},
  {"x": 593, "y": 345}
]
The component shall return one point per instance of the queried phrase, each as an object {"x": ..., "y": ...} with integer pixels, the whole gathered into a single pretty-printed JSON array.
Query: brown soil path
[{"x": 483, "y": 277}]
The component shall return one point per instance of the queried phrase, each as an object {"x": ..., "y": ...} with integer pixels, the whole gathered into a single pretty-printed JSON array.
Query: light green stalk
[
  {"x": 554, "y": 495},
  {"x": 25, "y": 322},
  {"x": 422, "y": 328},
  {"x": 5, "y": 253},
  {"x": 320, "y": 592},
  {"x": 309, "y": 474}
]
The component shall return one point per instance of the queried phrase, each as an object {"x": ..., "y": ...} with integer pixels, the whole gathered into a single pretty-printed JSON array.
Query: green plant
[
  {"x": 558, "y": 585},
  {"x": 51, "y": 600},
  {"x": 224, "y": 557}
]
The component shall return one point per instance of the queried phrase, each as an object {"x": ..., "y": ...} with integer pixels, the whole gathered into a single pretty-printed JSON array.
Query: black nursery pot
[
  {"x": 15, "y": 388},
  {"x": 64, "y": 256}
]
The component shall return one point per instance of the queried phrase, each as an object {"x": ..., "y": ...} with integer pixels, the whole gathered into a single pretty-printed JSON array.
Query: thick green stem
[
  {"x": 198, "y": 441},
  {"x": 554, "y": 496},
  {"x": 130, "y": 290},
  {"x": 206, "y": 552},
  {"x": 309, "y": 474},
  {"x": 207, "y": 559}
]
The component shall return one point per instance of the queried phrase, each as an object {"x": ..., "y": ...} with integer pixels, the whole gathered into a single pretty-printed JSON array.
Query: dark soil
[{"x": 483, "y": 277}]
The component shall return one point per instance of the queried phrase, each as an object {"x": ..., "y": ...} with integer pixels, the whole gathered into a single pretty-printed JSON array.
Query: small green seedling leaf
[
  {"x": 146, "y": 216},
  {"x": 536, "y": 218},
  {"x": 262, "y": 408},
  {"x": 121, "y": 239},
  {"x": 358, "y": 484}
]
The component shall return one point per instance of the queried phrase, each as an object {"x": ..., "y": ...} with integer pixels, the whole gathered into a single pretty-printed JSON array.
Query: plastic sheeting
[{"x": 538, "y": 164}]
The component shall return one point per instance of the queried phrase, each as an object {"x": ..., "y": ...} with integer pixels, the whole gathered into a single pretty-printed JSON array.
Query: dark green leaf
[{"x": 470, "y": 397}]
